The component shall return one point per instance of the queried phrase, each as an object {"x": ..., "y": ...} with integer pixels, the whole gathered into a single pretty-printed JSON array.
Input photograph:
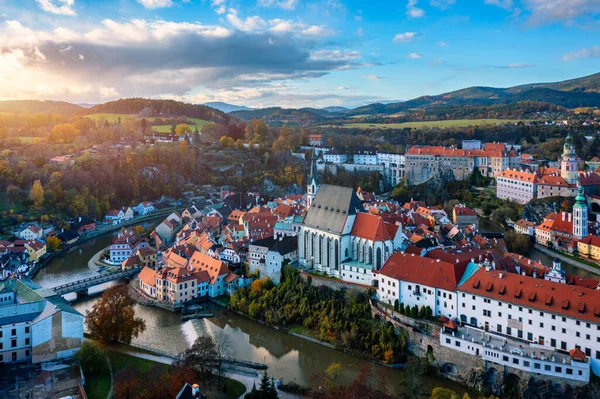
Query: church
[{"x": 338, "y": 238}]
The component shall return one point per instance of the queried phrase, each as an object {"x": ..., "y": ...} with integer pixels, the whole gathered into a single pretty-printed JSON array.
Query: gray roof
[{"x": 331, "y": 207}]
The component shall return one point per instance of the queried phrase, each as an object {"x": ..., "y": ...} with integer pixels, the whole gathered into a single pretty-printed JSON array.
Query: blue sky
[{"x": 291, "y": 53}]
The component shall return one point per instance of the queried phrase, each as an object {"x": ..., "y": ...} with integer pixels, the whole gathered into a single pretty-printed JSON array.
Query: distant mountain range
[
  {"x": 221, "y": 106},
  {"x": 38, "y": 107}
]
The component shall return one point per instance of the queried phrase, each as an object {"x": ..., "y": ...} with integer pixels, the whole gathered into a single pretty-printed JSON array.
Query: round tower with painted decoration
[
  {"x": 568, "y": 164},
  {"x": 580, "y": 215}
]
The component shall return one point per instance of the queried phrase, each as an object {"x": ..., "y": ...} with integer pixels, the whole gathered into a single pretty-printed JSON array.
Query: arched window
[
  {"x": 369, "y": 259},
  {"x": 379, "y": 260},
  {"x": 336, "y": 256},
  {"x": 328, "y": 252},
  {"x": 306, "y": 254},
  {"x": 321, "y": 250}
]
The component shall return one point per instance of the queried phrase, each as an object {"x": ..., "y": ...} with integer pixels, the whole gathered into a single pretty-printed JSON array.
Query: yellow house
[
  {"x": 590, "y": 247},
  {"x": 36, "y": 249}
]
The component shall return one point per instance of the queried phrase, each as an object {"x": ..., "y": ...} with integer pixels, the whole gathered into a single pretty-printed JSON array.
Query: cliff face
[{"x": 536, "y": 210}]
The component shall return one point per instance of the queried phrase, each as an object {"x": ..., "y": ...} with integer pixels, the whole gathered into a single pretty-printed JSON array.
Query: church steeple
[
  {"x": 313, "y": 181},
  {"x": 580, "y": 215},
  {"x": 568, "y": 164}
]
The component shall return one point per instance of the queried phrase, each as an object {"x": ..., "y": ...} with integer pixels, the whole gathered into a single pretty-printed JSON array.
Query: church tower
[
  {"x": 568, "y": 164},
  {"x": 313, "y": 181},
  {"x": 580, "y": 215}
]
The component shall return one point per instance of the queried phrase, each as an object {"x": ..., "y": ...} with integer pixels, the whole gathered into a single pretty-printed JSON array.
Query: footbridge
[{"x": 81, "y": 286}]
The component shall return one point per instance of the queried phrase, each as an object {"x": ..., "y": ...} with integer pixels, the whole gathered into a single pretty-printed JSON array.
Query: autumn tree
[
  {"x": 64, "y": 133},
  {"x": 443, "y": 393},
  {"x": 201, "y": 357},
  {"x": 138, "y": 229},
  {"x": 112, "y": 318},
  {"x": 53, "y": 243},
  {"x": 37, "y": 193},
  {"x": 182, "y": 129},
  {"x": 257, "y": 132}
]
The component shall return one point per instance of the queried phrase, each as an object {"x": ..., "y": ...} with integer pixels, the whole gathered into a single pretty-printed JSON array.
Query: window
[
  {"x": 553, "y": 342},
  {"x": 27, "y": 330},
  {"x": 569, "y": 371},
  {"x": 526, "y": 363},
  {"x": 515, "y": 360},
  {"x": 499, "y": 314},
  {"x": 529, "y": 336},
  {"x": 13, "y": 332},
  {"x": 577, "y": 334},
  {"x": 547, "y": 367},
  {"x": 558, "y": 369},
  {"x": 13, "y": 343},
  {"x": 448, "y": 340},
  {"x": 564, "y": 330},
  {"x": 542, "y": 325},
  {"x": 536, "y": 366},
  {"x": 457, "y": 343},
  {"x": 563, "y": 345},
  {"x": 26, "y": 341}
]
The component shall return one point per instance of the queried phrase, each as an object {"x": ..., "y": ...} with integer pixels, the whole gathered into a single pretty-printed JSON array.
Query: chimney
[{"x": 195, "y": 390}]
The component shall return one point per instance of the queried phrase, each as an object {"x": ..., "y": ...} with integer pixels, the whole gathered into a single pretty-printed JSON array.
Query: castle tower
[
  {"x": 313, "y": 181},
  {"x": 568, "y": 163},
  {"x": 556, "y": 274},
  {"x": 580, "y": 215}
]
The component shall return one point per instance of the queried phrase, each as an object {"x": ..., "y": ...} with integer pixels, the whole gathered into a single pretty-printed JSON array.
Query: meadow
[
  {"x": 440, "y": 124},
  {"x": 111, "y": 118}
]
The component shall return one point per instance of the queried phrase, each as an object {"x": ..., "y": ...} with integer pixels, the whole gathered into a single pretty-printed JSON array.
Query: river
[{"x": 288, "y": 357}]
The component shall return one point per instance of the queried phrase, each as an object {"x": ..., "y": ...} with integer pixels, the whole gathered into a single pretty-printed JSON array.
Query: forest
[{"x": 342, "y": 317}]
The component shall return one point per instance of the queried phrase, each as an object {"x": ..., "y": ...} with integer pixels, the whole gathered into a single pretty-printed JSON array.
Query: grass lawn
[
  {"x": 120, "y": 361},
  {"x": 161, "y": 128},
  {"x": 301, "y": 330},
  {"x": 448, "y": 123},
  {"x": 97, "y": 385},
  {"x": 235, "y": 389}
]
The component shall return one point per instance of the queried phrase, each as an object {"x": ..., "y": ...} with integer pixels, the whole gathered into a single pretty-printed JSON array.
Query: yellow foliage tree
[
  {"x": 182, "y": 129},
  {"x": 53, "y": 243},
  {"x": 37, "y": 193},
  {"x": 138, "y": 229},
  {"x": 65, "y": 133}
]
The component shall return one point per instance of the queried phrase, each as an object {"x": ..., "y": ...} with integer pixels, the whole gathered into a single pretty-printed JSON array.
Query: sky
[{"x": 289, "y": 53}]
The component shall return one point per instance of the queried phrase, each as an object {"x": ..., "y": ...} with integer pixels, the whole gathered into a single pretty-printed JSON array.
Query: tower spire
[{"x": 313, "y": 180}]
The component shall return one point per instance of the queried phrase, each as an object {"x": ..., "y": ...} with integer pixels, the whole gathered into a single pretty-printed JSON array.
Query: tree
[
  {"x": 92, "y": 359},
  {"x": 112, "y": 318},
  {"x": 12, "y": 193},
  {"x": 331, "y": 375},
  {"x": 266, "y": 390},
  {"x": 128, "y": 383},
  {"x": 37, "y": 194},
  {"x": 138, "y": 229},
  {"x": 53, "y": 243},
  {"x": 65, "y": 133},
  {"x": 257, "y": 132},
  {"x": 201, "y": 357},
  {"x": 182, "y": 129},
  {"x": 144, "y": 125},
  {"x": 443, "y": 393},
  {"x": 518, "y": 243}
]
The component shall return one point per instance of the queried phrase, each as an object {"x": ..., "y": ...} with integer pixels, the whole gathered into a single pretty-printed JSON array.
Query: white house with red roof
[
  {"x": 144, "y": 208},
  {"x": 31, "y": 233},
  {"x": 415, "y": 280},
  {"x": 114, "y": 216}
]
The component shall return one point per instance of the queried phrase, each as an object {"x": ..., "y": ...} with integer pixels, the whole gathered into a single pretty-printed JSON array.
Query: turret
[
  {"x": 313, "y": 181},
  {"x": 580, "y": 215},
  {"x": 568, "y": 164}
]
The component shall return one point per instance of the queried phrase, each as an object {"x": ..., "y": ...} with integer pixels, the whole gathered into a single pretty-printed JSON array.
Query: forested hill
[
  {"x": 39, "y": 107},
  {"x": 277, "y": 116},
  {"x": 581, "y": 92},
  {"x": 163, "y": 108}
]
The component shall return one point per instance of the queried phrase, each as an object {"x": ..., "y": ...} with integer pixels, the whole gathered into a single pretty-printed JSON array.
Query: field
[
  {"x": 446, "y": 123},
  {"x": 160, "y": 128}
]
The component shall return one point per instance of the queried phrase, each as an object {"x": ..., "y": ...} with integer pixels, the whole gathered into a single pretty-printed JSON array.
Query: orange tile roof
[
  {"x": 419, "y": 270},
  {"x": 370, "y": 227},
  {"x": 553, "y": 180},
  {"x": 568, "y": 300},
  {"x": 563, "y": 223},
  {"x": 214, "y": 267},
  {"x": 519, "y": 175},
  {"x": 464, "y": 211},
  {"x": 591, "y": 240},
  {"x": 148, "y": 276}
]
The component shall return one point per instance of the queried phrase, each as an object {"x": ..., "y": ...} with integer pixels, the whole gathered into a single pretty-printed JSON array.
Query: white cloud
[
  {"x": 592, "y": 52},
  {"x": 287, "y": 26},
  {"x": 374, "y": 77},
  {"x": 360, "y": 32},
  {"x": 250, "y": 24},
  {"x": 283, "y": 4},
  {"x": 221, "y": 10},
  {"x": 412, "y": 10},
  {"x": 61, "y": 7},
  {"x": 505, "y": 4},
  {"x": 338, "y": 55},
  {"x": 414, "y": 56},
  {"x": 547, "y": 11},
  {"x": 442, "y": 4},
  {"x": 404, "y": 37},
  {"x": 443, "y": 44},
  {"x": 154, "y": 4}
]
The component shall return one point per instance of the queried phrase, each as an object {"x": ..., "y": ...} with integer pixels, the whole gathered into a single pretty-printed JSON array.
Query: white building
[
  {"x": 268, "y": 255},
  {"x": 415, "y": 280},
  {"x": 335, "y": 156},
  {"x": 517, "y": 186},
  {"x": 550, "y": 317},
  {"x": 393, "y": 167},
  {"x": 365, "y": 156},
  {"x": 525, "y": 227},
  {"x": 31, "y": 233},
  {"x": 144, "y": 208},
  {"x": 471, "y": 145}
]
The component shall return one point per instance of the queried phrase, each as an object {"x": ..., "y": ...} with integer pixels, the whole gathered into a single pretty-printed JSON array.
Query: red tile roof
[
  {"x": 464, "y": 211},
  {"x": 591, "y": 240},
  {"x": 568, "y": 300},
  {"x": 563, "y": 223},
  {"x": 430, "y": 272},
  {"x": 519, "y": 175},
  {"x": 370, "y": 227}
]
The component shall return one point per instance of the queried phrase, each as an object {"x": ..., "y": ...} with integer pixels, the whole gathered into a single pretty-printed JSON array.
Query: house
[
  {"x": 415, "y": 280},
  {"x": 268, "y": 255},
  {"x": 31, "y": 233},
  {"x": 335, "y": 156},
  {"x": 144, "y": 208},
  {"x": 463, "y": 216},
  {"x": 590, "y": 247},
  {"x": 83, "y": 224},
  {"x": 68, "y": 237},
  {"x": 114, "y": 216},
  {"x": 315, "y": 140},
  {"x": 28, "y": 315},
  {"x": 35, "y": 249},
  {"x": 127, "y": 213},
  {"x": 166, "y": 230},
  {"x": 147, "y": 256},
  {"x": 526, "y": 227},
  {"x": 365, "y": 156},
  {"x": 125, "y": 245}
]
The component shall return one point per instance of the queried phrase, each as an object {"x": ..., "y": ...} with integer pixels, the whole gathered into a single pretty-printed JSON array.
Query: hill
[
  {"x": 158, "y": 108},
  {"x": 225, "y": 107},
  {"x": 277, "y": 116},
  {"x": 580, "y": 92},
  {"x": 335, "y": 109},
  {"x": 38, "y": 107}
]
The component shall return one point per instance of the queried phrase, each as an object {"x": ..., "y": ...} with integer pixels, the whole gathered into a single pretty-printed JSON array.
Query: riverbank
[{"x": 569, "y": 259}]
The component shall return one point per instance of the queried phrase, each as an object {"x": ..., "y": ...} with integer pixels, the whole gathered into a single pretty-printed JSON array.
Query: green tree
[
  {"x": 92, "y": 359},
  {"x": 37, "y": 193},
  {"x": 443, "y": 393}
]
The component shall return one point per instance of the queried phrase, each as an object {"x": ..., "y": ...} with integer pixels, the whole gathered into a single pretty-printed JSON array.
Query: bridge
[{"x": 81, "y": 286}]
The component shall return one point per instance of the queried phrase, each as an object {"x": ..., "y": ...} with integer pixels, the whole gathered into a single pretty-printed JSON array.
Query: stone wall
[{"x": 333, "y": 284}]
